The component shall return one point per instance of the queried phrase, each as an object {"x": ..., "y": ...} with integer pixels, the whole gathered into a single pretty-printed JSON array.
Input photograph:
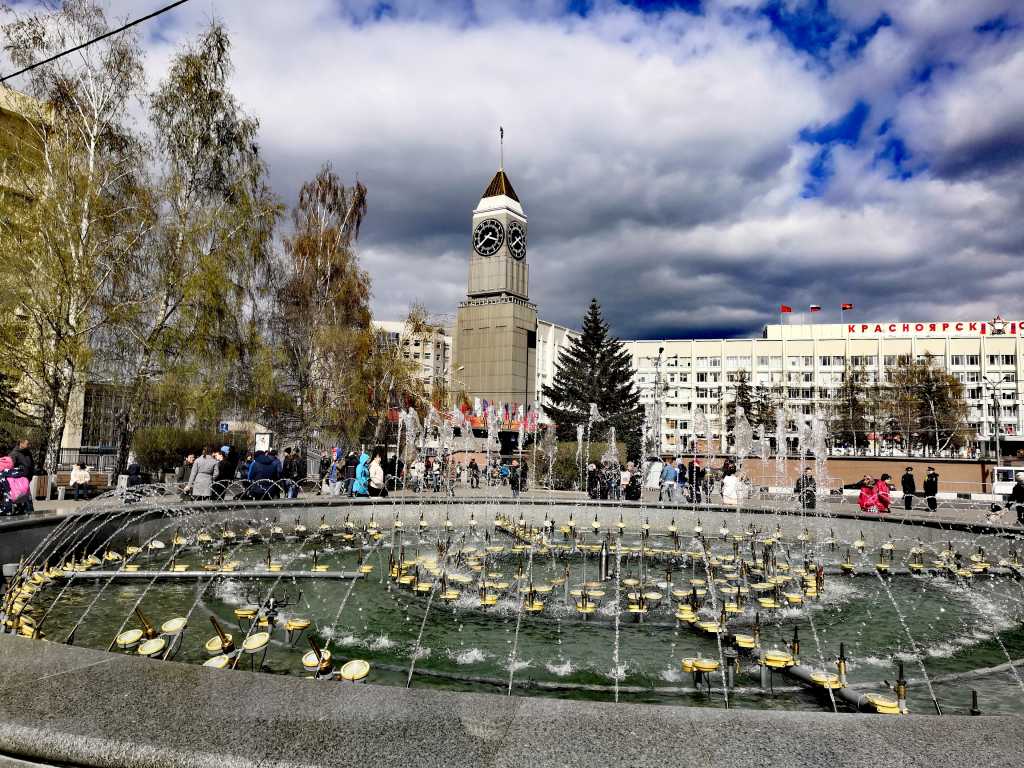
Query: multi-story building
[
  {"x": 433, "y": 355},
  {"x": 806, "y": 363},
  {"x": 551, "y": 341},
  {"x": 430, "y": 352},
  {"x": 20, "y": 147}
]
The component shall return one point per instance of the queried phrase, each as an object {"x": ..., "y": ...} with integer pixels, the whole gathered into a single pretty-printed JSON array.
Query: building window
[{"x": 1002, "y": 359}]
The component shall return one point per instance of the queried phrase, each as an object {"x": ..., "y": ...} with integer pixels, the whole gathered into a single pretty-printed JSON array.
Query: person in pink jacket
[
  {"x": 883, "y": 497},
  {"x": 868, "y": 500}
]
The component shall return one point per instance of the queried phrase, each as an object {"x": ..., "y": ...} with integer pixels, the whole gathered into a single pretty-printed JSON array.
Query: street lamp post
[
  {"x": 994, "y": 386},
  {"x": 656, "y": 419}
]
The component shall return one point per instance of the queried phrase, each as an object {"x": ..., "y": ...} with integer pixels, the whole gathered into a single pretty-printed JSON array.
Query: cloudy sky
[{"x": 692, "y": 164}]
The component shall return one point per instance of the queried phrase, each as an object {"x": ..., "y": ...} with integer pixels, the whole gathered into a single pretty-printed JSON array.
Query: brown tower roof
[{"x": 500, "y": 185}]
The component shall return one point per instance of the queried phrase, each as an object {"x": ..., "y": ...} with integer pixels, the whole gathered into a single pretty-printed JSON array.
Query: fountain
[{"x": 433, "y": 595}]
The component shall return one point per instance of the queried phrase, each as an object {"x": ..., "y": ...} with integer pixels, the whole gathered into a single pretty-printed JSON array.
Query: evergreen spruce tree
[
  {"x": 765, "y": 403},
  {"x": 744, "y": 399},
  {"x": 596, "y": 368}
]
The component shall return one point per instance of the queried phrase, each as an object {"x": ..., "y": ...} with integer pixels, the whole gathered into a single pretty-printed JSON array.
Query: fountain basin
[{"x": 565, "y": 648}]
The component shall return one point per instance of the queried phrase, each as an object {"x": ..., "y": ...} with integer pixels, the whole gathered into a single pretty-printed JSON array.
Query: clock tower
[{"x": 496, "y": 333}]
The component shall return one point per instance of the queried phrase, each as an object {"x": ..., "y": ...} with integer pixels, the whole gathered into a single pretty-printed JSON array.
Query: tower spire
[{"x": 501, "y": 148}]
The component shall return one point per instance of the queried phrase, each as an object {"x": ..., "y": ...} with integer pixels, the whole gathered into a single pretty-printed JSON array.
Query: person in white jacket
[
  {"x": 377, "y": 476},
  {"x": 80, "y": 480},
  {"x": 731, "y": 490}
]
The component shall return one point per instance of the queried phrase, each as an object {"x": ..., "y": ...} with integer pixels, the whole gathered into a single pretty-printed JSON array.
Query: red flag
[
  {"x": 847, "y": 306},
  {"x": 785, "y": 308},
  {"x": 815, "y": 307}
]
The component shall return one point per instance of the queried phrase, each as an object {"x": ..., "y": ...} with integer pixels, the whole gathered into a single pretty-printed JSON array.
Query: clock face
[
  {"x": 517, "y": 240},
  {"x": 488, "y": 237}
]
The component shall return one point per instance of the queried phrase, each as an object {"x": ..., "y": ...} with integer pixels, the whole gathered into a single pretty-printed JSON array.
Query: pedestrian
[
  {"x": 669, "y": 477},
  {"x": 806, "y": 490},
  {"x": 419, "y": 470},
  {"x": 696, "y": 481},
  {"x": 361, "y": 483},
  {"x": 375, "y": 484},
  {"x": 1017, "y": 497},
  {"x": 513, "y": 478},
  {"x": 681, "y": 477},
  {"x": 867, "y": 501},
  {"x": 24, "y": 465},
  {"x": 931, "y": 489},
  {"x": 883, "y": 494},
  {"x": 909, "y": 485},
  {"x": 524, "y": 473},
  {"x": 593, "y": 481},
  {"x": 133, "y": 480},
  {"x": 625, "y": 475},
  {"x": 292, "y": 473},
  {"x": 336, "y": 475},
  {"x": 474, "y": 474},
  {"x": 200, "y": 480},
  {"x": 324, "y": 468},
  {"x": 731, "y": 490},
  {"x": 79, "y": 481},
  {"x": 264, "y": 477},
  {"x": 632, "y": 487},
  {"x": 14, "y": 489},
  {"x": 351, "y": 462},
  {"x": 223, "y": 476}
]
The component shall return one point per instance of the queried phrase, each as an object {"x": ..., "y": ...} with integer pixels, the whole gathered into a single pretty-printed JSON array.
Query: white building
[
  {"x": 430, "y": 353},
  {"x": 808, "y": 361},
  {"x": 551, "y": 340}
]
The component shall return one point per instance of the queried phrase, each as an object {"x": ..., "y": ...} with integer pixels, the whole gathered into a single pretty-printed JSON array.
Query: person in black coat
[
  {"x": 264, "y": 474},
  {"x": 24, "y": 464},
  {"x": 931, "y": 488},
  {"x": 909, "y": 484},
  {"x": 1017, "y": 498}
]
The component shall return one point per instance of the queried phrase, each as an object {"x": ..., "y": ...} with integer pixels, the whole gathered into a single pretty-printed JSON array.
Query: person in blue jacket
[{"x": 361, "y": 486}]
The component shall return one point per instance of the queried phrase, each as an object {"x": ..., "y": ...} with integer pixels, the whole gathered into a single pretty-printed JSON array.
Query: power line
[{"x": 86, "y": 44}]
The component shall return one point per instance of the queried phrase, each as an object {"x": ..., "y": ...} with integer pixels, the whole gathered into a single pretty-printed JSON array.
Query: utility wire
[{"x": 104, "y": 36}]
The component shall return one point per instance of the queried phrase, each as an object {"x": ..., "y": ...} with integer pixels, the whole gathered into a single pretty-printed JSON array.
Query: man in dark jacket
[
  {"x": 351, "y": 463},
  {"x": 931, "y": 488},
  {"x": 24, "y": 466},
  {"x": 264, "y": 474},
  {"x": 1017, "y": 498},
  {"x": 290, "y": 471},
  {"x": 696, "y": 480},
  {"x": 909, "y": 488}
]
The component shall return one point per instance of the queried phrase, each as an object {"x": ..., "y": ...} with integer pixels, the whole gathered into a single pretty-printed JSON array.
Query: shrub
[{"x": 566, "y": 472}]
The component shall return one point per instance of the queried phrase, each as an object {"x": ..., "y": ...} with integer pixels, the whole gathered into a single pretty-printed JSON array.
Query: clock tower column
[{"x": 496, "y": 332}]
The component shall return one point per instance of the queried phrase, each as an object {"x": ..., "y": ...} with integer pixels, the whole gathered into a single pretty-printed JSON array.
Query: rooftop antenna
[{"x": 501, "y": 148}]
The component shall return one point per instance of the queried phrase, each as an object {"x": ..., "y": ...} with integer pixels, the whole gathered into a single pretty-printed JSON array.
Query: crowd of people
[
  {"x": 260, "y": 475},
  {"x": 876, "y": 494}
]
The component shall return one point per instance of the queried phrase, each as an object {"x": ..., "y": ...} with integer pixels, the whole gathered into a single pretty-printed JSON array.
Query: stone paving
[{"x": 72, "y": 706}]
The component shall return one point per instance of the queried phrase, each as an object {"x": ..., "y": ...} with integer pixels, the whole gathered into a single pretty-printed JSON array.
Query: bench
[{"x": 98, "y": 483}]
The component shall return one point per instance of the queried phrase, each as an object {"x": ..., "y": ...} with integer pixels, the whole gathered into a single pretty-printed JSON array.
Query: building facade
[
  {"x": 430, "y": 353},
  {"x": 807, "y": 363}
]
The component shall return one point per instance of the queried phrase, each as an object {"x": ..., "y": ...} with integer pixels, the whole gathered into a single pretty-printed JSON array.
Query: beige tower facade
[{"x": 496, "y": 331}]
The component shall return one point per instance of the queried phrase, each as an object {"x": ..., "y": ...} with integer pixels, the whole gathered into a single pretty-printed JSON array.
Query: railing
[{"x": 99, "y": 459}]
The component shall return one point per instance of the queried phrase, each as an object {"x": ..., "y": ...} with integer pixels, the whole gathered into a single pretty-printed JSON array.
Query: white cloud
[{"x": 658, "y": 157}]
